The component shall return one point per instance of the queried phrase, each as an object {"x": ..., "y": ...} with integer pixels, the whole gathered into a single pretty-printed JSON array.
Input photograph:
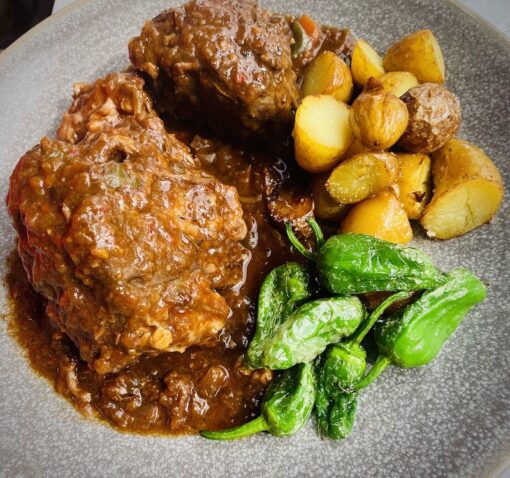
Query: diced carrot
[{"x": 309, "y": 25}]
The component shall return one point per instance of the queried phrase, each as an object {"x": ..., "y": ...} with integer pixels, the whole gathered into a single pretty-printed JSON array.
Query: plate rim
[
  {"x": 500, "y": 470},
  {"x": 75, "y": 4}
]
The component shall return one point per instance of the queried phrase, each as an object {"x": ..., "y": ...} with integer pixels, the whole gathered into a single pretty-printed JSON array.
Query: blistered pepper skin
[
  {"x": 282, "y": 291},
  {"x": 416, "y": 338},
  {"x": 341, "y": 367},
  {"x": 357, "y": 263},
  {"x": 341, "y": 416},
  {"x": 289, "y": 401},
  {"x": 310, "y": 329},
  {"x": 338, "y": 370},
  {"x": 286, "y": 407}
]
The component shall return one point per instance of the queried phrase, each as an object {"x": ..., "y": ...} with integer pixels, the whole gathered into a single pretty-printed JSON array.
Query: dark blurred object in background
[{"x": 19, "y": 16}]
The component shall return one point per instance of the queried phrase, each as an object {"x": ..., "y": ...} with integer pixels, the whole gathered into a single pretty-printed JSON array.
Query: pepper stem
[
  {"x": 380, "y": 364},
  {"x": 374, "y": 316},
  {"x": 319, "y": 236},
  {"x": 242, "y": 431},
  {"x": 295, "y": 242}
]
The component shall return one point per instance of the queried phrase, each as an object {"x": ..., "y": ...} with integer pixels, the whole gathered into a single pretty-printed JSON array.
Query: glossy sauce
[
  {"x": 172, "y": 393},
  {"x": 202, "y": 388}
]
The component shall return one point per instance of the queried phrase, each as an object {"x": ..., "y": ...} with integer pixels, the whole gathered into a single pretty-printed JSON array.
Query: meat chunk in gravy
[
  {"x": 121, "y": 231},
  {"x": 228, "y": 61},
  {"x": 137, "y": 248}
]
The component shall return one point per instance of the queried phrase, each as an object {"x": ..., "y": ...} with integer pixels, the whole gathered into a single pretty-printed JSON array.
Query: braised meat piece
[
  {"x": 122, "y": 232},
  {"x": 341, "y": 41},
  {"x": 225, "y": 61}
]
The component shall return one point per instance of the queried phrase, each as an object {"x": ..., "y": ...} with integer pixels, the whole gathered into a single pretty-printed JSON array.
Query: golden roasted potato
[
  {"x": 328, "y": 74},
  {"x": 378, "y": 118},
  {"x": 418, "y": 53},
  {"x": 362, "y": 176},
  {"x": 355, "y": 148},
  {"x": 414, "y": 183},
  {"x": 365, "y": 63},
  {"x": 468, "y": 190},
  {"x": 322, "y": 133},
  {"x": 398, "y": 82},
  {"x": 434, "y": 118},
  {"x": 381, "y": 216},
  {"x": 325, "y": 206}
]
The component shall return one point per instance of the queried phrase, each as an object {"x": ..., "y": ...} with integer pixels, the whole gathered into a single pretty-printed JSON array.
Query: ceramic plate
[{"x": 450, "y": 418}]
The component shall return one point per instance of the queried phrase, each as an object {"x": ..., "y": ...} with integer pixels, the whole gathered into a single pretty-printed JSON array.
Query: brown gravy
[
  {"x": 172, "y": 393},
  {"x": 202, "y": 388}
]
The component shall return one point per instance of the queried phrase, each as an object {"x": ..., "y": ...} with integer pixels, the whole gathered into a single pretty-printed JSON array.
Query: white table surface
[{"x": 496, "y": 12}]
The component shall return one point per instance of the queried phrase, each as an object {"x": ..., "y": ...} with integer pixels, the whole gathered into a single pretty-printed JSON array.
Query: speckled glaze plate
[{"x": 451, "y": 418}]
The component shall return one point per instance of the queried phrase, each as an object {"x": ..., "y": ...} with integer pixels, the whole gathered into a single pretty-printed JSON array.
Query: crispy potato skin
[
  {"x": 366, "y": 63},
  {"x": 404, "y": 104},
  {"x": 362, "y": 176},
  {"x": 414, "y": 183},
  {"x": 381, "y": 216},
  {"x": 355, "y": 148},
  {"x": 326, "y": 207},
  {"x": 398, "y": 82},
  {"x": 378, "y": 118},
  {"x": 420, "y": 54},
  {"x": 434, "y": 118},
  {"x": 460, "y": 160},
  {"x": 328, "y": 74},
  {"x": 468, "y": 190},
  {"x": 322, "y": 133}
]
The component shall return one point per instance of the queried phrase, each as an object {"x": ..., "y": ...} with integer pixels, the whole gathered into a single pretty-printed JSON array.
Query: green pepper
[
  {"x": 282, "y": 291},
  {"x": 357, "y": 263},
  {"x": 310, "y": 329},
  {"x": 285, "y": 409},
  {"x": 302, "y": 42},
  {"x": 416, "y": 338},
  {"x": 340, "y": 368},
  {"x": 335, "y": 407},
  {"x": 340, "y": 416}
]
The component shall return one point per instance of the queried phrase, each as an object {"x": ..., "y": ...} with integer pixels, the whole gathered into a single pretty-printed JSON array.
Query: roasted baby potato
[
  {"x": 378, "y": 119},
  {"x": 468, "y": 190},
  {"x": 355, "y": 148},
  {"x": 366, "y": 63},
  {"x": 326, "y": 207},
  {"x": 398, "y": 82},
  {"x": 434, "y": 118},
  {"x": 362, "y": 176},
  {"x": 322, "y": 133},
  {"x": 419, "y": 54},
  {"x": 414, "y": 183},
  {"x": 328, "y": 74},
  {"x": 381, "y": 216}
]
